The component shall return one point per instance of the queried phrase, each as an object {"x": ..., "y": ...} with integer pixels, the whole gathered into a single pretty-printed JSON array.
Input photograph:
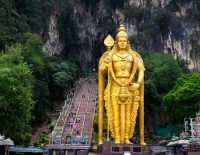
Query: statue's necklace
[{"x": 122, "y": 56}]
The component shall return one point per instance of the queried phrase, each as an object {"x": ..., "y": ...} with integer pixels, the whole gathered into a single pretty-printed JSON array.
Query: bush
[
  {"x": 27, "y": 139},
  {"x": 16, "y": 99},
  {"x": 51, "y": 127},
  {"x": 36, "y": 144}
]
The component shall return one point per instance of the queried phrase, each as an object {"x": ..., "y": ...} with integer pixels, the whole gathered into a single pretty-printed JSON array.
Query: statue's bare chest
[{"x": 122, "y": 64}]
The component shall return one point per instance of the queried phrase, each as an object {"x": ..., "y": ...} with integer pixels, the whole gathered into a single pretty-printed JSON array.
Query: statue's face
[{"x": 122, "y": 43}]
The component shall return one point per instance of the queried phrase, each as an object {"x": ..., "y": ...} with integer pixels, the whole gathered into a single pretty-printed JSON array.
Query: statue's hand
[
  {"x": 105, "y": 65},
  {"x": 133, "y": 87}
]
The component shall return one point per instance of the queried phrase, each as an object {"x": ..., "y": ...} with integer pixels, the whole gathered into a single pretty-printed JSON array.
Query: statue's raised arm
[{"x": 124, "y": 93}]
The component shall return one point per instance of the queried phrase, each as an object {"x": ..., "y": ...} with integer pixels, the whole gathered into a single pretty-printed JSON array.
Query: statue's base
[{"x": 110, "y": 148}]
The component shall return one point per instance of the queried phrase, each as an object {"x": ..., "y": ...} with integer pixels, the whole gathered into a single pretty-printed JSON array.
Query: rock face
[
  {"x": 53, "y": 45},
  {"x": 95, "y": 20},
  {"x": 144, "y": 3},
  {"x": 94, "y": 25}
]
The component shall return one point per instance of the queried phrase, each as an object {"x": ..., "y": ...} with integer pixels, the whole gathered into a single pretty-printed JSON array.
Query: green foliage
[
  {"x": 11, "y": 24},
  {"x": 184, "y": 99},
  {"x": 16, "y": 103},
  {"x": 27, "y": 139},
  {"x": 20, "y": 16},
  {"x": 37, "y": 60},
  {"x": 51, "y": 127},
  {"x": 160, "y": 76},
  {"x": 183, "y": 65},
  {"x": 33, "y": 42},
  {"x": 22, "y": 82},
  {"x": 34, "y": 54},
  {"x": 27, "y": 82},
  {"x": 63, "y": 74},
  {"x": 43, "y": 138},
  {"x": 13, "y": 55},
  {"x": 36, "y": 144},
  {"x": 163, "y": 19},
  {"x": 35, "y": 13},
  {"x": 163, "y": 70},
  {"x": 95, "y": 127},
  {"x": 61, "y": 78}
]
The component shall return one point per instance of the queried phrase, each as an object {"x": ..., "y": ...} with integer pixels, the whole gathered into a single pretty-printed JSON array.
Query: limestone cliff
[
  {"x": 153, "y": 25},
  {"x": 53, "y": 45}
]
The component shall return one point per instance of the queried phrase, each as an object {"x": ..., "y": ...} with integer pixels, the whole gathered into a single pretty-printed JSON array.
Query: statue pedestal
[{"x": 110, "y": 148}]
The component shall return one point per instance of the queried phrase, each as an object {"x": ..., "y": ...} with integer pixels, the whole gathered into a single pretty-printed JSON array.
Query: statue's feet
[
  {"x": 127, "y": 141},
  {"x": 117, "y": 141},
  {"x": 143, "y": 143}
]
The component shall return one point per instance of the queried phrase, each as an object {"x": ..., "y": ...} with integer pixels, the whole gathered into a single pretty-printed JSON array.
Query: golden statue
[{"x": 124, "y": 93}]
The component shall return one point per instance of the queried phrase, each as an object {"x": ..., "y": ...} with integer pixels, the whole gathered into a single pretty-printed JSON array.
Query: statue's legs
[
  {"x": 134, "y": 112},
  {"x": 116, "y": 113},
  {"x": 128, "y": 121}
]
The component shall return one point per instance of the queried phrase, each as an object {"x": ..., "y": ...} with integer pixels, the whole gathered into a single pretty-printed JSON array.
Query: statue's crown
[{"x": 121, "y": 32}]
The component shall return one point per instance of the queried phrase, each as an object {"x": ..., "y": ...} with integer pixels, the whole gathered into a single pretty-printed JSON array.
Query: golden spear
[{"x": 109, "y": 42}]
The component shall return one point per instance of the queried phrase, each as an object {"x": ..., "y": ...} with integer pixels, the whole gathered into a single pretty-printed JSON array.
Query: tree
[
  {"x": 37, "y": 60},
  {"x": 184, "y": 99},
  {"x": 36, "y": 13},
  {"x": 161, "y": 73},
  {"x": 16, "y": 103},
  {"x": 64, "y": 73},
  {"x": 52, "y": 76},
  {"x": 160, "y": 76}
]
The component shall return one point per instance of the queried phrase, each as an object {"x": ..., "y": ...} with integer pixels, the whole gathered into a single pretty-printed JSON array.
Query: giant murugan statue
[{"x": 124, "y": 94}]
